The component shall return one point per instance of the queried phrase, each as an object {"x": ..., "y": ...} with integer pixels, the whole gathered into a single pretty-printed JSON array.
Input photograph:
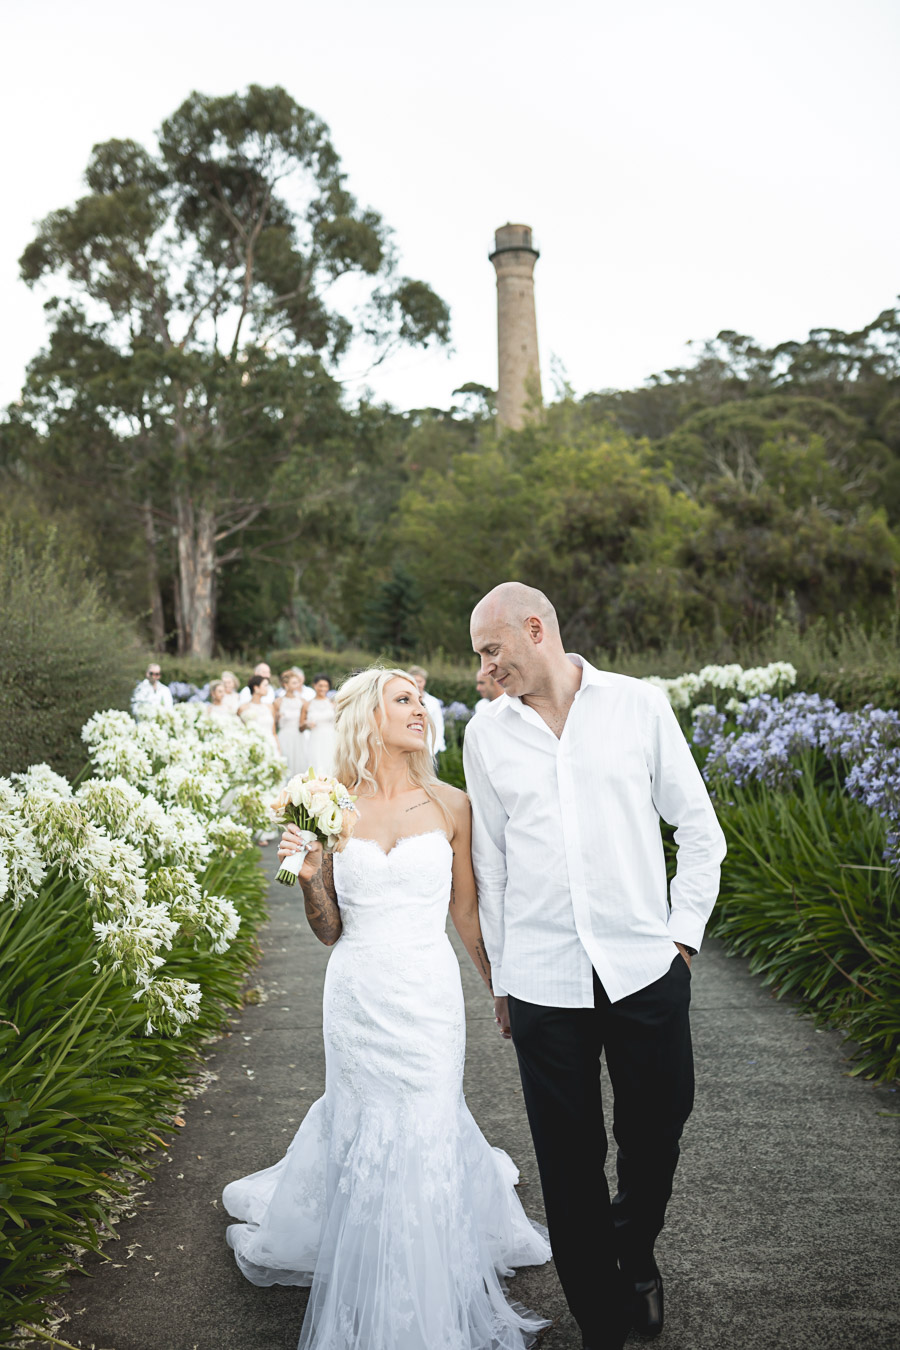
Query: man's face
[
  {"x": 263, "y": 669},
  {"x": 153, "y": 674},
  {"x": 420, "y": 683},
  {"x": 487, "y": 688},
  {"x": 507, "y": 655}
]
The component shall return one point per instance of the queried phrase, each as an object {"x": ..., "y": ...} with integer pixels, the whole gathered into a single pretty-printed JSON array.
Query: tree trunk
[
  {"x": 157, "y": 619},
  {"x": 196, "y": 576}
]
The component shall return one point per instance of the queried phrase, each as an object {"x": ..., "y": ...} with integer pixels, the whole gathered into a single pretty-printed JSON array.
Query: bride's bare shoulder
[{"x": 455, "y": 800}]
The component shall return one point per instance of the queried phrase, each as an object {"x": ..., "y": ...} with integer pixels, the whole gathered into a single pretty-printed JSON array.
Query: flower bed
[
  {"x": 809, "y": 799},
  {"x": 128, "y": 907}
]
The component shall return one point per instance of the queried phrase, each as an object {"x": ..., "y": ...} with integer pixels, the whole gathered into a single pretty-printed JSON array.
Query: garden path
[{"x": 781, "y": 1233}]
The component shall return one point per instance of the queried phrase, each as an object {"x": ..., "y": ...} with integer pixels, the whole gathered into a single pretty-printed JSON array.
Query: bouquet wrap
[{"x": 289, "y": 870}]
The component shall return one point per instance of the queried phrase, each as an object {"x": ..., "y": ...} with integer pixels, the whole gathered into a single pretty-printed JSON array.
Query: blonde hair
[
  {"x": 230, "y": 675},
  {"x": 358, "y": 747}
]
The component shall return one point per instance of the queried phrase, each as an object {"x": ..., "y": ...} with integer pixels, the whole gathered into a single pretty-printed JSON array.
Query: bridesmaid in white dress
[
  {"x": 317, "y": 717},
  {"x": 294, "y": 742},
  {"x": 231, "y": 699},
  {"x": 390, "y": 1202},
  {"x": 257, "y": 712}
]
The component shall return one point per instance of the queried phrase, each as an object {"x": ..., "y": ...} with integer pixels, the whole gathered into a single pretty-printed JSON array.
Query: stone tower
[{"x": 519, "y": 374}]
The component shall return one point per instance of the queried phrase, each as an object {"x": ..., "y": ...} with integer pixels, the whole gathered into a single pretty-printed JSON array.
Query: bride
[{"x": 390, "y": 1203}]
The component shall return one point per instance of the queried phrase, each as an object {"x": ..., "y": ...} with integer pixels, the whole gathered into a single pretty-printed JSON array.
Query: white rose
[
  {"x": 295, "y": 790},
  {"x": 329, "y": 819},
  {"x": 318, "y": 803}
]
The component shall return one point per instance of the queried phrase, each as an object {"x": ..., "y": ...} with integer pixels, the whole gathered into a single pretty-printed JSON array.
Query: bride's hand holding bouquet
[{"x": 319, "y": 816}]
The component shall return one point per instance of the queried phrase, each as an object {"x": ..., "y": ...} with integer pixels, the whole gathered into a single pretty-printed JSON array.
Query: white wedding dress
[{"x": 390, "y": 1202}]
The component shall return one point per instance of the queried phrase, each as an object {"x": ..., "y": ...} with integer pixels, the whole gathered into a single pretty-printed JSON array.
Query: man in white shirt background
[
  {"x": 433, "y": 707},
  {"x": 261, "y": 668},
  {"x": 150, "y": 693},
  {"x": 488, "y": 689},
  {"x": 569, "y": 774}
]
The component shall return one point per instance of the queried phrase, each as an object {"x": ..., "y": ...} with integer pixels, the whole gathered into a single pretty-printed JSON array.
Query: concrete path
[{"x": 782, "y": 1232}]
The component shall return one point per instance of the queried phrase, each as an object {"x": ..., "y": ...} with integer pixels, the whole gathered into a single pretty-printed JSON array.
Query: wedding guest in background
[
  {"x": 262, "y": 669},
  {"x": 294, "y": 742},
  {"x": 231, "y": 699},
  {"x": 150, "y": 693},
  {"x": 257, "y": 711},
  {"x": 305, "y": 692},
  {"x": 216, "y": 703},
  {"x": 433, "y": 707},
  {"x": 488, "y": 688},
  {"x": 317, "y": 717}
]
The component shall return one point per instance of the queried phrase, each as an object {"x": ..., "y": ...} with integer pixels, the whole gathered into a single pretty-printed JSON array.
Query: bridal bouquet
[{"x": 324, "y": 811}]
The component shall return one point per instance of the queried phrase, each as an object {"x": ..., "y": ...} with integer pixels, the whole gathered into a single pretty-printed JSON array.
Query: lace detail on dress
[{"x": 389, "y": 1200}]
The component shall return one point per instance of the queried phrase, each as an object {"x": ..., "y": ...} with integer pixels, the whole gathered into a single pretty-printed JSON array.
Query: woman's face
[
  {"x": 402, "y": 724},
  {"x": 229, "y": 685},
  {"x": 321, "y": 687},
  {"x": 217, "y": 693},
  {"x": 292, "y": 685},
  {"x": 261, "y": 689}
]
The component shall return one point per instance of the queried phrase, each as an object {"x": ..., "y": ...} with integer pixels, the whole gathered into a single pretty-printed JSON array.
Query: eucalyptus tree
[{"x": 195, "y": 328}]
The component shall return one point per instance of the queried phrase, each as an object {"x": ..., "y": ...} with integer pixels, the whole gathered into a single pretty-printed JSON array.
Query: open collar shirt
[{"x": 566, "y": 841}]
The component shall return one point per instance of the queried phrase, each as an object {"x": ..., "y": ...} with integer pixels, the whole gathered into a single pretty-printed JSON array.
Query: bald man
[{"x": 569, "y": 773}]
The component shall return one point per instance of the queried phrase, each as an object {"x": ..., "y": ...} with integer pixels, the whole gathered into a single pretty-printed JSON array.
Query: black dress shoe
[{"x": 647, "y": 1306}]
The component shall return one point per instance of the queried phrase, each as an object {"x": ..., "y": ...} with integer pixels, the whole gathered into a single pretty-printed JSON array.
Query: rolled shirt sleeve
[
  {"x": 489, "y": 821},
  {"x": 680, "y": 796}
]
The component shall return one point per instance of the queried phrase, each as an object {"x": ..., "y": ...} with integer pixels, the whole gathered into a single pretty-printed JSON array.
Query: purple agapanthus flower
[{"x": 772, "y": 734}]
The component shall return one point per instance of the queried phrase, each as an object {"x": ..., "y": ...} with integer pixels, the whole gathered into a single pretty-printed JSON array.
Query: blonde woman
[
  {"x": 231, "y": 697},
  {"x": 294, "y": 742},
  {"x": 216, "y": 703},
  {"x": 317, "y": 717},
  {"x": 390, "y": 1203}
]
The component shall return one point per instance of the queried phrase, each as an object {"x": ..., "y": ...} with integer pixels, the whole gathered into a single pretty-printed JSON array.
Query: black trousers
[{"x": 646, "y": 1039}]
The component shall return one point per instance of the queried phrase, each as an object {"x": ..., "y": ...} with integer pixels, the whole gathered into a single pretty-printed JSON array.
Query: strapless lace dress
[{"x": 390, "y": 1202}]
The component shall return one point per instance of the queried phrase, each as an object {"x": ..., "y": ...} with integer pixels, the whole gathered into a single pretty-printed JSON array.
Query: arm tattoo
[
  {"x": 484, "y": 965},
  {"x": 322, "y": 911}
]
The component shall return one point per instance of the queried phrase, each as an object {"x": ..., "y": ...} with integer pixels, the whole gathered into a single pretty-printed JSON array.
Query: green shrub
[
  {"x": 63, "y": 653},
  {"x": 807, "y": 897},
  {"x": 83, "y": 1092}
]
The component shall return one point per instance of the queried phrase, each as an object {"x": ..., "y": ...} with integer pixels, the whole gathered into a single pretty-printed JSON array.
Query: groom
[{"x": 568, "y": 777}]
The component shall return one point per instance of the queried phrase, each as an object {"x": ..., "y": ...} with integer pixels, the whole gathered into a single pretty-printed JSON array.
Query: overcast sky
[{"x": 685, "y": 167}]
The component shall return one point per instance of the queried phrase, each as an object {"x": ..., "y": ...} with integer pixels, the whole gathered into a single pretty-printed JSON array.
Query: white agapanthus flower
[
  {"x": 169, "y": 1003},
  {"x": 23, "y": 864},
  {"x": 111, "y": 871},
  {"x": 193, "y": 847},
  {"x": 229, "y": 837},
  {"x": 40, "y": 778},
  {"x": 218, "y": 918},
  {"x": 59, "y": 824},
  {"x": 113, "y": 803},
  {"x": 683, "y": 689},
  {"x": 23, "y": 867},
  {"x": 130, "y": 940}
]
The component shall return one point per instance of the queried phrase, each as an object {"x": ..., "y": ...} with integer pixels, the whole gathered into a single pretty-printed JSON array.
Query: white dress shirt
[
  {"x": 436, "y": 716},
  {"x": 567, "y": 847},
  {"x": 148, "y": 696}
]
